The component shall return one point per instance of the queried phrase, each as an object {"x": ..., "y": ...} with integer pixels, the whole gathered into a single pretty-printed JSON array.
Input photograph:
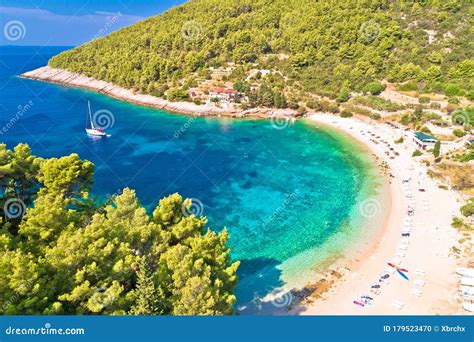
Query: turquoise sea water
[{"x": 287, "y": 196}]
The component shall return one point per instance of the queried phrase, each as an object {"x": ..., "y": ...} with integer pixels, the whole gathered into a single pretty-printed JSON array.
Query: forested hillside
[
  {"x": 321, "y": 47},
  {"x": 64, "y": 252}
]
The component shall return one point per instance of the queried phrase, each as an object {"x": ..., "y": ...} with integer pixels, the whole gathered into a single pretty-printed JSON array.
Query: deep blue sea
[{"x": 287, "y": 196}]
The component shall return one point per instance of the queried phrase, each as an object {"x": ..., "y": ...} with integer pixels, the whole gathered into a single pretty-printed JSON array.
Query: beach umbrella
[
  {"x": 400, "y": 270},
  {"x": 402, "y": 274}
]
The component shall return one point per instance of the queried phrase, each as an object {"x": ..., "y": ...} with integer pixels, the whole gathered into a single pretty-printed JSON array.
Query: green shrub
[
  {"x": 177, "y": 94},
  {"x": 409, "y": 86},
  {"x": 467, "y": 157},
  {"x": 436, "y": 149},
  {"x": 343, "y": 96},
  {"x": 457, "y": 222},
  {"x": 374, "y": 88},
  {"x": 468, "y": 209},
  {"x": 451, "y": 107},
  {"x": 470, "y": 95},
  {"x": 425, "y": 129},
  {"x": 358, "y": 110},
  {"x": 330, "y": 107},
  {"x": 459, "y": 133},
  {"x": 424, "y": 100},
  {"x": 345, "y": 114},
  {"x": 417, "y": 153},
  {"x": 378, "y": 103},
  {"x": 452, "y": 90},
  {"x": 453, "y": 100},
  {"x": 301, "y": 111},
  {"x": 293, "y": 104},
  {"x": 311, "y": 104},
  {"x": 244, "y": 106},
  {"x": 405, "y": 119}
]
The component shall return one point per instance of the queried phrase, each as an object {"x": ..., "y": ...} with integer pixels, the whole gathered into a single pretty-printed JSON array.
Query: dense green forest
[
  {"x": 322, "y": 47},
  {"x": 61, "y": 252}
]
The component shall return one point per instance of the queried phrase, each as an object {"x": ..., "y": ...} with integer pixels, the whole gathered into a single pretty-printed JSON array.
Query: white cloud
[{"x": 44, "y": 27}]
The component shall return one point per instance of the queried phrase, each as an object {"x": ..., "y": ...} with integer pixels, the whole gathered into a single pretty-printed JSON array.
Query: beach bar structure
[{"x": 424, "y": 141}]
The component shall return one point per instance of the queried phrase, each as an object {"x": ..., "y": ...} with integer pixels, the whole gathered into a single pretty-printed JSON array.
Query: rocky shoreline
[{"x": 67, "y": 78}]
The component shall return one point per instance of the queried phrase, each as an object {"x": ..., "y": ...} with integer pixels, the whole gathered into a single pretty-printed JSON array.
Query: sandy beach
[
  {"x": 67, "y": 78},
  {"x": 426, "y": 254}
]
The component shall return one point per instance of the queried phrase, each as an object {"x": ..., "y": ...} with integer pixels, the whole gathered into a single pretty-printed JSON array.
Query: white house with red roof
[{"x": 223, "y": 94}]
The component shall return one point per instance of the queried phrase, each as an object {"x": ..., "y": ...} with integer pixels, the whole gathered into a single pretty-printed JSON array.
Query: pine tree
[
  {"x": 65, "y": 258},
  {"x": 436, "y": 149},
  {"x": 146, "y": 302}
]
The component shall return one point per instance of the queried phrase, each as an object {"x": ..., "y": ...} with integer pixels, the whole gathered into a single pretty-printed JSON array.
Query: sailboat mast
[
  {"x": 87, "y": 118},
  {"x": 90, "y": 114}
]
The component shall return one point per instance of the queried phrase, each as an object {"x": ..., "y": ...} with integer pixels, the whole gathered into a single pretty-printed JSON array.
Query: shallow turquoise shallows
[{"x": 287, "y": 196}]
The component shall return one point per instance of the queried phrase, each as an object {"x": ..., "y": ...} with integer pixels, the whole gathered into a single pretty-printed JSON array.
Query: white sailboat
[{"x": 99, "y": 132}]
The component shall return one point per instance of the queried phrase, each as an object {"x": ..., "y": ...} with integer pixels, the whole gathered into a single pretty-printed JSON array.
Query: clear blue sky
[{"x": 71, "y": 22}]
